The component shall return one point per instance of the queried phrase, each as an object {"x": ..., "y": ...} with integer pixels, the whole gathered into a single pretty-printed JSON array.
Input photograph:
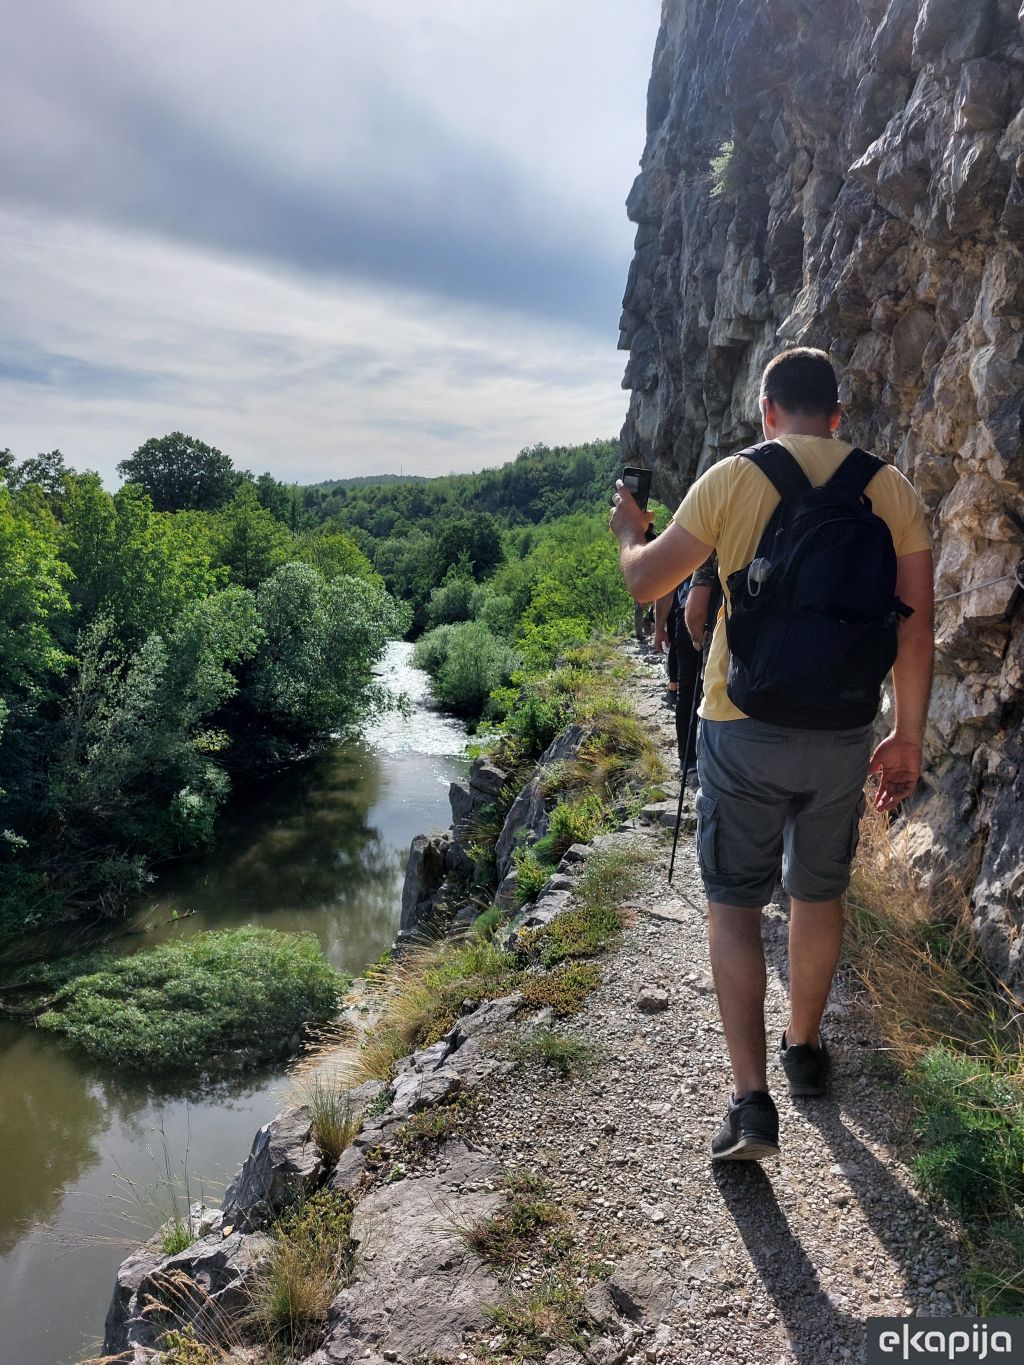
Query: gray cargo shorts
[{"x": 774, "y": 798}]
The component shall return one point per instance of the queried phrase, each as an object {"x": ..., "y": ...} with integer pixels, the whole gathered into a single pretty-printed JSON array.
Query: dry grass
[
  {"x": 193, "y": 1329},
  {"x": 334, "y": 1118},
  {"x": 311, "y": 1256},
  {"x": 918, "y": 964},
  {"x": 423, "y": 994}
]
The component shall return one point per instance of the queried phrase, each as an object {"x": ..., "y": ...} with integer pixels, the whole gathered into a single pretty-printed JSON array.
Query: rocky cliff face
[{"x": 850, "y": 174}]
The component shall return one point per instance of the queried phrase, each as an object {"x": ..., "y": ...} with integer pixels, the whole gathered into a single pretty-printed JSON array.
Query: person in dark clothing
[{"x": 686, "y": 617}]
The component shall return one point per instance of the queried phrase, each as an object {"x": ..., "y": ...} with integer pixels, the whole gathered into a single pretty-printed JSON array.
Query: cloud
[
  {"x": 331, "y": 237},
  {"x": 29, "y": 364},
  {"x": 124, "y": 120},
  {"x": 308, "y": 378}
]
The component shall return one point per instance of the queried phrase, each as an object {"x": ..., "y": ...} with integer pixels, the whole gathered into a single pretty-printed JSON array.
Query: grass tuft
[
  {"x": 334, "y": 1118},
  {"x": 553, "y": 1313},
  {"x": 311, "y": 1256},
  {"x": 527, "y": 1229},
  {"x": 555, "y": 1050}
]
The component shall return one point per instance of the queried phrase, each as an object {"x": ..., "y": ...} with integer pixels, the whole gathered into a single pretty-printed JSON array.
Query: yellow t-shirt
[{"x": 729, "y": 507}]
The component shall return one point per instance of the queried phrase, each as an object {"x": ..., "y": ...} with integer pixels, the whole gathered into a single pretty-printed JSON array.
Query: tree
[
  {"x": 334, "y": 555},
  {"x": 137, "y": 567},
  {"x": 47, "y": 470},
  {"x": 33, "y": 595},
  {"x": 313, "y": 673},
  {"x": 477, "y": 538},
  {"x": 180, "y": 472},
  {"x": 249, "y": 541}
]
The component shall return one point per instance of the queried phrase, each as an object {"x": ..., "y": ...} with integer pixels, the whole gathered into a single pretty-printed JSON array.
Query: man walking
[{"x": 775, "y": 796}]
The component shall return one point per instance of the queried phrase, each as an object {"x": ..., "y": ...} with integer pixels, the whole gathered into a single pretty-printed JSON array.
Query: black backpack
[{"x": 813, "y": 618}]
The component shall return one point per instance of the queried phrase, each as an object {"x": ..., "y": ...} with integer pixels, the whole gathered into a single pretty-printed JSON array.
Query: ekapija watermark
[{"x": 967, "y": 1341}]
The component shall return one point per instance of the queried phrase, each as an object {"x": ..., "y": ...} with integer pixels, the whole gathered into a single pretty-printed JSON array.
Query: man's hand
[
  {"x": 628, "y": 521},
  {"x": 899, "y": 763},
  {"x": 661, "y": 640}
]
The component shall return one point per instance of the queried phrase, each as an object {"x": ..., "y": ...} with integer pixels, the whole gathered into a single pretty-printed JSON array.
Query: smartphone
[{"x": 638, "y": 481}]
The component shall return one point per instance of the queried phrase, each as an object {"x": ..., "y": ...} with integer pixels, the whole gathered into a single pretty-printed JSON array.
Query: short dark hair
[{"x": 802, "y": 381}]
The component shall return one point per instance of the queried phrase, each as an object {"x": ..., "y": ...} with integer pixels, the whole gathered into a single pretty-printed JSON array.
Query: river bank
[
  {"x": 535, "y": 1183},
  {"x": 324, "y": 850}
]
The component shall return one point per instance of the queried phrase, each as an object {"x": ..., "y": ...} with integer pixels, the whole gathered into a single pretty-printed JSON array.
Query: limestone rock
[
  {"x": 528, "y": 815},
  {"x": 876, "y": 208},
  {"x": 284, "y": 1164},
  {"x": 640, "y": 1290},
  {"x": 418, "y": 1289},
  {"x": 208, "y": 1285},
  {"x": 424, "y": 875}
]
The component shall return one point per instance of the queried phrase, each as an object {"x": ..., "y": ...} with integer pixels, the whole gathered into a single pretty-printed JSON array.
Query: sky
[{"x": 330, "y": 237}]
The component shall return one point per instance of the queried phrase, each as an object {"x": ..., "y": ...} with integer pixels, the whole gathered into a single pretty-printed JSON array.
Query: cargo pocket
[
  {"x": 707, "y": 832},
  {"x": 855, "y": 827}
]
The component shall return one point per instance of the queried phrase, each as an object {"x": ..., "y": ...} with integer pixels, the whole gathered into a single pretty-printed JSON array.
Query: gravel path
[{"x": 773, "y": 1262}]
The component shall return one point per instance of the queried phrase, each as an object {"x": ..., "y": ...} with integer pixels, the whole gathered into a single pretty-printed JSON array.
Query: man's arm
[
  {"x": 898, "y": 758},
  {"x": 652, "y": 568},
  {"x": 661, "y": 610},
  {"x": 696, "y": 614}
]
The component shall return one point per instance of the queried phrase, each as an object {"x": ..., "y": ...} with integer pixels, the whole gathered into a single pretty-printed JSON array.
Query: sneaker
[
  {"x": 806, "y": 1067},
  {"x": 750, "y": 1130}
]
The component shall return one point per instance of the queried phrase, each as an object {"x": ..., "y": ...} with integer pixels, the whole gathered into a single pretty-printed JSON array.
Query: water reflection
[
  {"x": 50, "y": 1129},
  {"x": 308, "y": 853}
]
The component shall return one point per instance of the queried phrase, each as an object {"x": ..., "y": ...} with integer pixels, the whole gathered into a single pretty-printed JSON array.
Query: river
[{"x": 323, "y": 850}]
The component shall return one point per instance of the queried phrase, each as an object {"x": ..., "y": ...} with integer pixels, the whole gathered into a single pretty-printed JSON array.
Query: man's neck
[{"x": 806, "y": 426}]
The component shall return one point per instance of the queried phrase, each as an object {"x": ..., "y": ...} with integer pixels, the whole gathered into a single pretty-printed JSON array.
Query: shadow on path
[
  {"x": 813, "y": 1323},
  {"x": 910, "y": 1232}
]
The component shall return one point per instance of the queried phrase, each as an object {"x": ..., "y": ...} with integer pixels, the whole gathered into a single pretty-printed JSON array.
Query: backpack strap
[
  {"x": 856, "y": 472},
  {"x": 778, "y": 466}
]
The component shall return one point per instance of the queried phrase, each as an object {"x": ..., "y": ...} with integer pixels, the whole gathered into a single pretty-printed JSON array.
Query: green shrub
[
  {"x": 531, "y": 874},
  {"x": 475, "y": 664},
  {"x": 727, "y": 172},
  {"x": 184, "y": 1348},
  {"x": 431, "y": 650},
  {"x": 971, "y": 1129},
  {"x": 487, "y": 923},
  {"x": 534, "y": 718},
  {"x": 451, "y": 602},
  {"x": 576, "y": 822},
  {"x": 187, "y": 1003},
  {"x": 495, "y": 610}
]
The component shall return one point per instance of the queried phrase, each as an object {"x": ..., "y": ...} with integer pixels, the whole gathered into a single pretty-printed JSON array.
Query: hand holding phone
[{"x": 638, "y": 481}]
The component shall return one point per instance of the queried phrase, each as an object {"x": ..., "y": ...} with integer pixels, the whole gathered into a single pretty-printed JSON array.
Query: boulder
[
  {"x": 417, "y": 1290},
  {"x": 642, "y": 1291},
  {"x": 424, "y": 875},
  {"x": 207, "y": 1286},
  {"x": 283, "y": 1165},
  {"x": 131, "y": 1273},
  {"x": 528, "y": 815}
]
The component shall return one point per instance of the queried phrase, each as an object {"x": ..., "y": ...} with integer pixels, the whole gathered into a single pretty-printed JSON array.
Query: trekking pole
[{"x": 684, "y": 768}]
